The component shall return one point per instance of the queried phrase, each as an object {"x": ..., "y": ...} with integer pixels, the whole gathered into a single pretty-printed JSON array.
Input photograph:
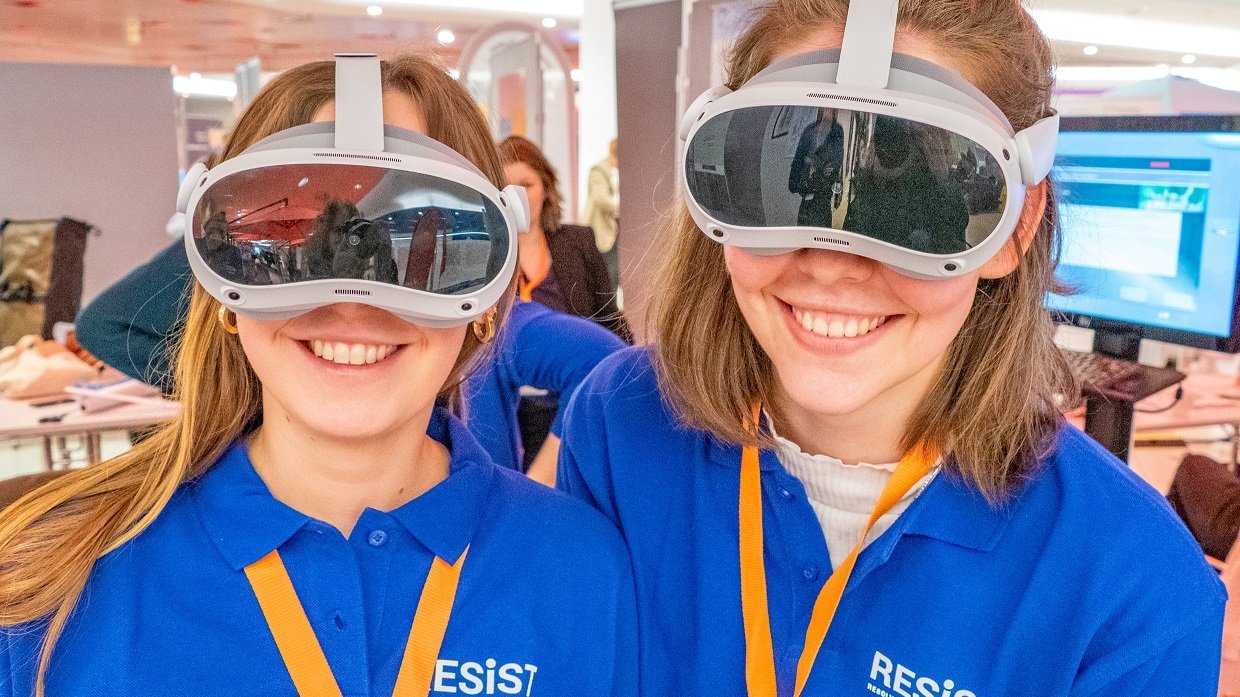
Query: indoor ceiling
[{"x": 213, "y": 36}]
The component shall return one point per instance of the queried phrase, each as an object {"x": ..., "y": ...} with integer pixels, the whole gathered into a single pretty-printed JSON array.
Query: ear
[{"x": 1008, "y": 258}]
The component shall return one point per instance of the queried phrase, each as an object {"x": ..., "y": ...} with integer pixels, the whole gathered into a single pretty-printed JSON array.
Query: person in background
[
  {"x": 836, "y": 477},
  {"x": 303, "y": 527},
  {"x": 559, "y": 267},
  {"x": 603, "y": 210},
  {"x": 541, "y": 348}
]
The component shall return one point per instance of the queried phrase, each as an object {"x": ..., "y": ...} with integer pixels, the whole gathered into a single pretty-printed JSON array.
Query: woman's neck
[
  {"x": 533, "y": 254},
  {"x": 873, "y": 433},
  {"x": 335, "y": 479}
]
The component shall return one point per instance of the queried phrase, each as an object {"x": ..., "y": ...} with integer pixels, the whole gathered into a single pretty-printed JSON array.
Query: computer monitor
[{"x": 1150, "y": 213}]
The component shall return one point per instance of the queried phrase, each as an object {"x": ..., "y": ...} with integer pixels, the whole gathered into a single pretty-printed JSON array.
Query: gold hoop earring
[
  {"x": 228, "y": 320},
  {"x": 484, "y": 328}
]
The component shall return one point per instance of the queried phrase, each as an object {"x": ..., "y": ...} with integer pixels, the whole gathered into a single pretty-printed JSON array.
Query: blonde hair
[
  {"x": 992, "y": 410},
  {"x": 51, "y": 538}
]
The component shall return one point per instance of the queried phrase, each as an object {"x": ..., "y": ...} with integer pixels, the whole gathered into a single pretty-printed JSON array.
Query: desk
[
  {"x": 1201, "y": 405},
  {"x": 19, "y": 419}
]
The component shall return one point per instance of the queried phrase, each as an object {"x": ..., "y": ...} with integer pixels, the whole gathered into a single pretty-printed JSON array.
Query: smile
[
  {"x": 836, "y": 326},
  {"x": 350, "y": 354}
]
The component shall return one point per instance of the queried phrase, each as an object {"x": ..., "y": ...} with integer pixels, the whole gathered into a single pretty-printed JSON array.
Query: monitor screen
[{"x": 1150, "y": 214}]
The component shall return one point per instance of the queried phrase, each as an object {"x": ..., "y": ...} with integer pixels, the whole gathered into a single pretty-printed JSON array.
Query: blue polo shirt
[
  {"x": 1084, "y": 584},
  {"x": 538, "y": 347},
  {"x": 544, "y": 606}
]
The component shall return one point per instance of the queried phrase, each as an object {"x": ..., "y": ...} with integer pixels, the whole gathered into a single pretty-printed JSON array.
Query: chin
[{"x": 829, "y": 395}]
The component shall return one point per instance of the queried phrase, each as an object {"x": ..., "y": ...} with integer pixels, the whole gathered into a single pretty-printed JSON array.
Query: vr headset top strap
[
  {"x": 869, "y": 36},
  {"x": 359, "y": 102}
]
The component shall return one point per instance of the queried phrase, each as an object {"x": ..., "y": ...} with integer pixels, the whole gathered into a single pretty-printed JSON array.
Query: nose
[{"x": 831, "y": 266}]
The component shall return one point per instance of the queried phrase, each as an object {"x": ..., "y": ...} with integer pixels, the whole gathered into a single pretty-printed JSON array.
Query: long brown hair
[
  {"x": 51, "y": 538},
  {"x": 517, "y": 149},
  {"x": 993, "y": 407}
]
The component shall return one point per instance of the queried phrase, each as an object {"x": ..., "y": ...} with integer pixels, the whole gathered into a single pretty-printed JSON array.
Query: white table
[{"x": 19, "y": 419}]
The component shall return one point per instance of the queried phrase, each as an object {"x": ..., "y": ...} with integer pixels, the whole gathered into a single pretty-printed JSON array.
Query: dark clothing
[
  {"x": 580, "y": 286},
  {"x": 815, "y": 173},
  {"x": 128, "y": 325},
  {"x": 582, "y": 277},
  {"x": 1206, "y": 495}
]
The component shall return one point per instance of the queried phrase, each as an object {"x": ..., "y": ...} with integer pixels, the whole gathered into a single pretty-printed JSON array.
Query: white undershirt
[{"x": 843, "y": 496}]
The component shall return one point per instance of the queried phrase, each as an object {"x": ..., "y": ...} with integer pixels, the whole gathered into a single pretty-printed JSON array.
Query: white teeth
[
  {"x": 836, "y": 326},
  {"x": 350, "y": 354}
]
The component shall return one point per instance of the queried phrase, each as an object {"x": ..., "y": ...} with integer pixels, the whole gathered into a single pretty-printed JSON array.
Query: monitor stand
[{"x": 1108, "y": 420}]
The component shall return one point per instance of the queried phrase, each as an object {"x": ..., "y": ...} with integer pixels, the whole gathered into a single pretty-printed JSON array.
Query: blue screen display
[{"x": 1151, "y": 227}]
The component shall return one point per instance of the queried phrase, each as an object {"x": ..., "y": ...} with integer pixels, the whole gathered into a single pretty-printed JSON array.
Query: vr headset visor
[
  {"x": 865, "y": 151},
  {"x": 296, "y": 222}
]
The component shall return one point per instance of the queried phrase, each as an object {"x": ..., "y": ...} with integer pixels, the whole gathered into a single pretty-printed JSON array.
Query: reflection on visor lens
[
  {"x": 915, "y": 186},
  {"x": 290, "y": 223}
]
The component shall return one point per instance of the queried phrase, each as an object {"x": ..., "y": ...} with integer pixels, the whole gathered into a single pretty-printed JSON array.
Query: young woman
[
  {"x": 1008, "y": 554},
  {"x": 405, "y": 562}
]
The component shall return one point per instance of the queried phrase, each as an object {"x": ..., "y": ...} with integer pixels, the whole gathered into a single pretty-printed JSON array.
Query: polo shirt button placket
[
  {"x": 787, "y": 495},
  {"x": 377, "y": 538},
  {"x": 810, "y": 572}
]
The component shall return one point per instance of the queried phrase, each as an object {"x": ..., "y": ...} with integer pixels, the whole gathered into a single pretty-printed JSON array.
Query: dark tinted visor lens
[
  {"x": 290, "y": 223},
  {"x": 916, "y": 186}
]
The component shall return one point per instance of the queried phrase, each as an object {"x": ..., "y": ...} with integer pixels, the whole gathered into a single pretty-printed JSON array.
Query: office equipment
[{"x": 1150, "y": 215}]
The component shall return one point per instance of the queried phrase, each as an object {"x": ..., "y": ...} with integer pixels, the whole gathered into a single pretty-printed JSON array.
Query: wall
[
  {"x": 647, "y": 44},
  {"x": 97, "y": 143}
]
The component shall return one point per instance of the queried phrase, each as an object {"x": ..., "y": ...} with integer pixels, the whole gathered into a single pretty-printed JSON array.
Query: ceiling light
[
  {"x": 1091, "y": 50},
  {"x": 1109, "y": 73},
  {"x": 539, "y": 8},
  {"x": 1133, "y": 32},
  {"x": 549, "y": 22},
  {"x": 575, "y": 74},
  {"x": 1188, "y": 59},
  {"x": 445, "y": 36},
  {"x": 204, "y": 87},
  {"x": 374, "y": 10}
]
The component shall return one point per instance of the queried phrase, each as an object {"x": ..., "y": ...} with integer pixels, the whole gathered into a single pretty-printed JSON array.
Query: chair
[{"x": 17, "y": 487}]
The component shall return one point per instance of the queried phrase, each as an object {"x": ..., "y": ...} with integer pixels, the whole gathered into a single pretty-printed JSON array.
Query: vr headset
[
  {"x": 352, "y": 211},
  {"x": 863, "y": 151}
]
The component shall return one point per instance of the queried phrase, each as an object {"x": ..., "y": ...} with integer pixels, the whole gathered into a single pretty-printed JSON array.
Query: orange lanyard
[
  {"x": 759, "y": 650},
  {"x": 526, "y": 286},
  {"x": 302, "y": 654}
]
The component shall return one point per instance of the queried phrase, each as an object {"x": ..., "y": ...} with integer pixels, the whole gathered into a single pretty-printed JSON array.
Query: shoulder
[
  {"x": 554, "y": 525},
  {"x": 569, "y": 235},
  {"x": 624, "y": 383},
  {"x": 1138, "y": 567},
  {"x": 1097, "y": 492},
  {"x": 535, "y": 321}
]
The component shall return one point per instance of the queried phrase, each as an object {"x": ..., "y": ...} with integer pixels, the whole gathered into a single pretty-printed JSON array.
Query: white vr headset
[
  {"x": 352, "y": 211},
  {"x": 861, "y": 150}
]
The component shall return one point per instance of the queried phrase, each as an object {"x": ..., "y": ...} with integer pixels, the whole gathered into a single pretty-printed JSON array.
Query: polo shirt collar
[
  {"x": 949, "y": 509},
  {"x": 246, "y": 522},
  {"x": 446, "y": 518},
  {"x": 238, "y": 511},
  {"x": 953, "y": 511}
]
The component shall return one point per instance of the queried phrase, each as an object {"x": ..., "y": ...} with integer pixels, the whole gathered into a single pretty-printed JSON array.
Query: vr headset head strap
[
  {"x": 359, "y": 103},
  {"x": 869, "y": 38}
]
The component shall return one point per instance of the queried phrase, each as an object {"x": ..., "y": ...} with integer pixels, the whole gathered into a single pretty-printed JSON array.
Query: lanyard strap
[
  {"x": 759, "y": 650},
  {"x": 302, "y": 653},
  {"x": 526, "y": 286}
]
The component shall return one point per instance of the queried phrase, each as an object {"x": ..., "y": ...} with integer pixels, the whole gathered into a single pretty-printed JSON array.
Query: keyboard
[
  {"x": 1115, "y": 379},
  {"x": 1100, "y": 372}
]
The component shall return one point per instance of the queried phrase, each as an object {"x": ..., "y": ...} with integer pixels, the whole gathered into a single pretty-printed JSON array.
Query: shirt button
[
  {"x": 810, "y": 572},
  {"x": 377, "y": 538},
  {"x": 786, "y": 494}
]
